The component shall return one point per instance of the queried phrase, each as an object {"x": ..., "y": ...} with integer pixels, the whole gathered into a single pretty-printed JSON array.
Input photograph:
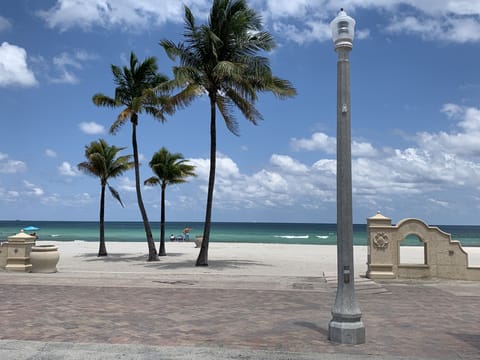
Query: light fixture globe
[{"x": 343, "y": 30}]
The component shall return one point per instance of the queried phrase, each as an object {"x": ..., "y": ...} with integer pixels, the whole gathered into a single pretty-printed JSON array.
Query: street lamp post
[{"x": 346, "y": 326}]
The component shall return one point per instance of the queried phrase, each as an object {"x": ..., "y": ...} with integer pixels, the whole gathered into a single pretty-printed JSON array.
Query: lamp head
[{"x": 343, "y": 30}]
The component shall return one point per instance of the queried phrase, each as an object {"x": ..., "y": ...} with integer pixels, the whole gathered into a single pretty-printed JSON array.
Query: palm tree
[
  {"x": 137, "y": 91},
  {"x": 221, "y": 59},
  {"x": 168, "y": 169},
  {"x": 102, "y": 162}
]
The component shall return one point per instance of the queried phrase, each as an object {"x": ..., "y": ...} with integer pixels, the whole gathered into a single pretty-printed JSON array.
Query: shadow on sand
[{"x": 141, "y": 261}]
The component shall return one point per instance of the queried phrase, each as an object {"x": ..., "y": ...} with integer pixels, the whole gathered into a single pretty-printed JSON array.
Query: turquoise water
[{"x": 281, "y": 233}]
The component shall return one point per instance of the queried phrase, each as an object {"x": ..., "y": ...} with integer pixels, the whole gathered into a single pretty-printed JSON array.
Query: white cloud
[
  {"x": 462, "y": 142},
  {"x": 224, "y": 165},
  {"x": 67, "y": 63},
  {"x": 441, "y": 203},
  {"x": 318, "y": 141},
  {"x": 66, "y": 169},
  {"x": 9, "y": 195},
  {"x": 437, "y": 164},
  {"x": 306, "y": 32},
  {"x": 328, "y": 144},
  {"x": 265, "y": 188},
  {"x": 300, "y": 21},
  {"x": 127, "y": 184},
  {"x": 91, "y": 128},
  {"x": 453, "y": 111},
  {"x": 14, "y": 68},
  {"x": 444, "y": 28},
  {"x": 308, "y": 20},
  {"x": 131, "y": 15},
  {"x": 288, "y": 164},
  {"x": 50, "y": 153},
  {"x": 363, "y": 149},
  {"x": 33, "y": 189},
  {"x": 9, "y": 166},
  {"x": 4, "y": 24}
]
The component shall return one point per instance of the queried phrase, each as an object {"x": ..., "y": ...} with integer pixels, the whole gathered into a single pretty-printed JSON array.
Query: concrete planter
[
  {"x": 198, "y": 241},
  {"x": 44, "y": 258}
]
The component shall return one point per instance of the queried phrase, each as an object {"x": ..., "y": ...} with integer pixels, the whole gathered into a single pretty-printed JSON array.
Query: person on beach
[
  {"x": 186, "y": 232},
  {"x": 172, "y": 237}
]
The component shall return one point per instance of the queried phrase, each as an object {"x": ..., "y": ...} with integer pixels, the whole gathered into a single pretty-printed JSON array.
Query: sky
[{"x": 415, "y": 113}]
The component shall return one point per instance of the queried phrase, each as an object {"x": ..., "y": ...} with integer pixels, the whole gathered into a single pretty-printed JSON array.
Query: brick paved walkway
[{"x": 437, "y": 320}]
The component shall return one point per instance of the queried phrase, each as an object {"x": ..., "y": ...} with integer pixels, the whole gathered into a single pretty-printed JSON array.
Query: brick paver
[{"x": 418, "y": 319}]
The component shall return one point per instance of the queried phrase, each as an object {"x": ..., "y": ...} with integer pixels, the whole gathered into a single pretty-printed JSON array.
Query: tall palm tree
[
  {"x": 221, "y": 59},
  {"x": 137, "y": 91},
  {"x": 102, "y": 162},
  {"x": 168, "y": 169}
]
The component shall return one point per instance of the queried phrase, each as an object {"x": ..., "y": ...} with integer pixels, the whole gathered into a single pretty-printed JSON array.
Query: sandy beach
[{"x": 224, "y": 258}]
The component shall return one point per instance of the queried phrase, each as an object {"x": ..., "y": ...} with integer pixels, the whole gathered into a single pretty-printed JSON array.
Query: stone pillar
[
  {"x": 381, "y": 249},
  {"x": 18, "y": 252}
]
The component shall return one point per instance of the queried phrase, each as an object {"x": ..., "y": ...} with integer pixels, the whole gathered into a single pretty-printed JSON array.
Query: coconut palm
[
  {"x": 169, "y": 169},
  {"x": 222, "y": 60},
  {"x": 136, "y": 91},
  {"x": 103, "y": 162}
]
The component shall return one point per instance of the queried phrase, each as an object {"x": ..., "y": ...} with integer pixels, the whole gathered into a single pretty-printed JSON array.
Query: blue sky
[{"x": 415, "y": 113}]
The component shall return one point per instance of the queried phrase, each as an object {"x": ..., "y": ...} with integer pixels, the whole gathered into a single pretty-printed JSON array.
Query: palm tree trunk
[
  {"x": 152, "y": 251},
  {"x": 161, "y": 251},
  {"x": 202, "y": 259},
  {"x": 102, "y": 250}
]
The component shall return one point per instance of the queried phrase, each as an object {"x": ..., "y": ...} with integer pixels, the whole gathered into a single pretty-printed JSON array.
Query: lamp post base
[{"x": 346, "y": 332}]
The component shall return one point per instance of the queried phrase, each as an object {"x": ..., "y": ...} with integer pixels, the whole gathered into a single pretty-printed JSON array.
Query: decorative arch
[{"x": 443, "y": 257}]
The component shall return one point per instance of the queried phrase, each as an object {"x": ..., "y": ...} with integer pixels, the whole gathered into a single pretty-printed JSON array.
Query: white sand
[{"x": 224, "y": 258}]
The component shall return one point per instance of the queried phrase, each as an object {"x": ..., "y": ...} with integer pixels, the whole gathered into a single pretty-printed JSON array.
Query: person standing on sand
[{"x": 186, "y": 232}]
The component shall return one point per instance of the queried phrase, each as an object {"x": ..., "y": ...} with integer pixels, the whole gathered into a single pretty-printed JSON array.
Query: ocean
[{"x": 280, "y": 233}]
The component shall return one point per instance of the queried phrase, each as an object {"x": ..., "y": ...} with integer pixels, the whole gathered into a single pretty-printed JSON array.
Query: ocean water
[{"x": 281, "y": 233}]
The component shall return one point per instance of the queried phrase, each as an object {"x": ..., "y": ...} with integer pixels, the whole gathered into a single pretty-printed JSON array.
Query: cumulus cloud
[
  {"x": 363, "y": 149},
  {"x": 436, "y": 164},
  {"x": 288, "y": 164},
  {"x": 91, "y": 128},
  {"x": 328, "y": 144},
  {"x": 14, "y": 70},
  {"x": 301, "y": 21},
  {"x": 318, "y": 141},
  {"x": 10, "y": 166},
  {"x": 277, "y": 185},
  {"x": 304, "y": 21},
  {"x": 66, "y": 169},
  {"x": 304, "y": 32},
  {"x": 128, "y": 14},
  {"x": 443, "y": 28},
  {"x": 463, "y": 141}
]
